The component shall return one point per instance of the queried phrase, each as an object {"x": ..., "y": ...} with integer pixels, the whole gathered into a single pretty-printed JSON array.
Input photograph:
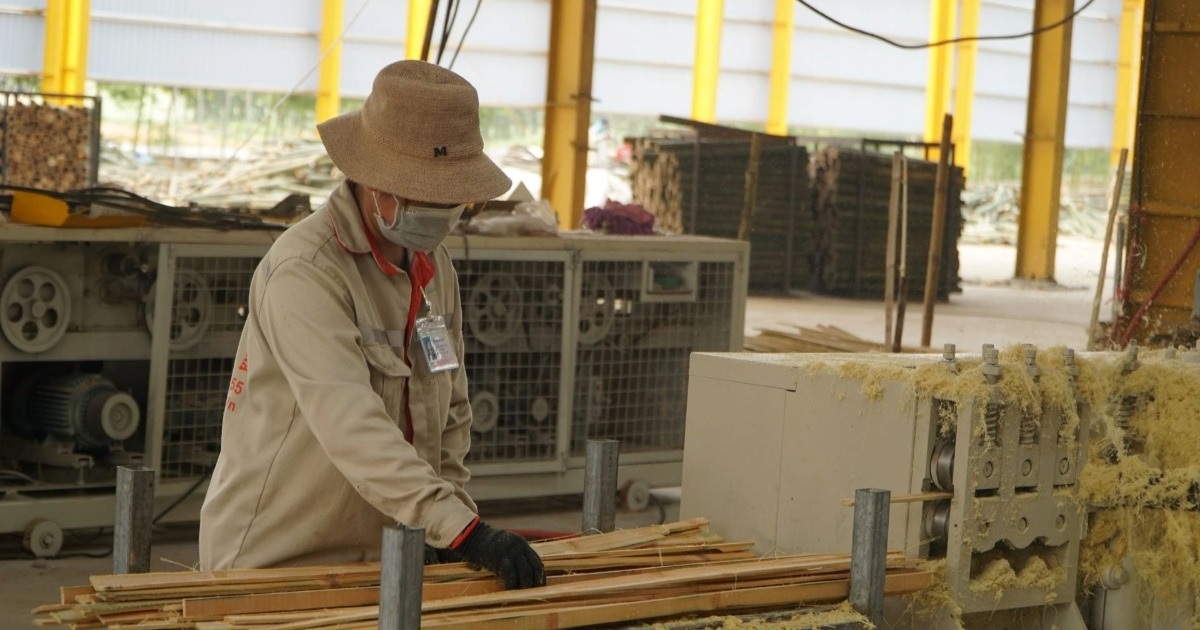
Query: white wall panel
[{"x": 644, "y": 55}]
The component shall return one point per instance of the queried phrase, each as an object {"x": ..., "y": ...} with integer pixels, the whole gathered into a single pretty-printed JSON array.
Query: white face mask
[{"x": 417, "y": 228}]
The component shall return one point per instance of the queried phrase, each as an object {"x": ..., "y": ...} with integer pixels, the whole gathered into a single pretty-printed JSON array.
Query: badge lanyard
[{"x": 431, "y": 331}]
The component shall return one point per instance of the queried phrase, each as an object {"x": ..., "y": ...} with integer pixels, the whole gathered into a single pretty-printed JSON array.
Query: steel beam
[
  {"x": 568, "y": 108},
  {"x": 964, "y": 82},
  {"x": 707, "y": 68},
  {"x": 56, "y": 16},
  {"x": 600, "y": 486},
  {"x": 1045, "y": 127},
  {"x": 418, "y": 20},
  {"x": 941, "y": 69},
  {"x": 329, "y": 94},
  {"x": 75, "y": 46},
  {"x": 868, "y": 553},
  {"x": 1128, "y": 70},
  {"x": 781, "y": 67},
  {"x": 402, "y": 570},
  {"x": 133, "y": 520}
]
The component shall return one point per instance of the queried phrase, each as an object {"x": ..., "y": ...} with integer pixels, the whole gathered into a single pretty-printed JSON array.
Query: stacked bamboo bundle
[
  {"x": 652, "y": 572},
  {"x": 45, "y": 146},
  {"x": 850, "y": 193},
  {"x": 707, "y": 198}
]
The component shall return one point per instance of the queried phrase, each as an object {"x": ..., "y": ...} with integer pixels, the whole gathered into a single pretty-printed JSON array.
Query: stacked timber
[
  {"x": 653, "y": 572},
  {"x": 696, "y": 186},
  {"x": 850, "y": 195},
  {"x": 45, "y": 146}
]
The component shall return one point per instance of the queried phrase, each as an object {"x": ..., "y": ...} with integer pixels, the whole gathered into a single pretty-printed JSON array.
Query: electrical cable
[
  {"x": 127, "y": 201},
  {"x": 470, "y": 23},
  {"x": 184, "y": 497},
  {"x": 979, "y": 38},
  {"x": 662, "y": 508},
  {"x": 448, "y": 26}
]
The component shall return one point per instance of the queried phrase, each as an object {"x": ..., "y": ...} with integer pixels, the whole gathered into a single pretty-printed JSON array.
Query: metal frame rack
[
  {"x": 606, "y": 358},
  {"x": 567, "y": 339}
]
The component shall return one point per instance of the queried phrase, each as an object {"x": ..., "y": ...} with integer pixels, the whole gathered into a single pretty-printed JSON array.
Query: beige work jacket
[{"x": 314, "y": 462}]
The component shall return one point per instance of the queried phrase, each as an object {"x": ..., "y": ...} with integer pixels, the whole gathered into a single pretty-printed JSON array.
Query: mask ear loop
[{"x": 395, "y": 219}]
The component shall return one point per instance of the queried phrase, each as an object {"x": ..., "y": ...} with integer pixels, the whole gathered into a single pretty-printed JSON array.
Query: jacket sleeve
[
  {"x": 307, "y": 320},
  {"x": 456, "y": 437}
]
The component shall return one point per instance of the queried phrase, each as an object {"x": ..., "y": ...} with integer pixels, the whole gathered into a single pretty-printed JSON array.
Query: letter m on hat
[{"x": 439, "y": 152}]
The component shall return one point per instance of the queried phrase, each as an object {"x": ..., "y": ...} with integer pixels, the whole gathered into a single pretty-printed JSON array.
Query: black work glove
[
  {"x": 433, "y": 555},
  {"x": 504, "y": 553}
]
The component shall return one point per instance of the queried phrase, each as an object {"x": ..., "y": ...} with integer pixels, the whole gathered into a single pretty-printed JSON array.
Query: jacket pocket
[{"x": 388, "y": 375}]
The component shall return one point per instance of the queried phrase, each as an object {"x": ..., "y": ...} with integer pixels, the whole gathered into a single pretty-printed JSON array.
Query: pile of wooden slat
[
  {"x": 707, "y": 199},
  {"x": 792, "y": 338},
  {"x": 252, "y": 183},
  {"x": 45, "y": 146},
  {"x": 646, "y": 573},
  {"x": 851, "y": 190}
]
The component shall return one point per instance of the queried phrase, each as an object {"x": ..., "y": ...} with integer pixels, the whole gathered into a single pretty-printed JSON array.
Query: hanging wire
[
  {"x": 470, "y": 23},
  {"x": 945, "y": 42},
  {"x": 201, "y": 181}
]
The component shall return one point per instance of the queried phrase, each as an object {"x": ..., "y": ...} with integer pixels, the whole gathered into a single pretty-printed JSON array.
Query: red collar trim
[{"x": 385, "y": 265}]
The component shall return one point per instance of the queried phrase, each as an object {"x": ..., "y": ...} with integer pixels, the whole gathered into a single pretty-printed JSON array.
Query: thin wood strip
[
  {"x": 910, "y": 498},
  {"x": 583, "y": 616}
]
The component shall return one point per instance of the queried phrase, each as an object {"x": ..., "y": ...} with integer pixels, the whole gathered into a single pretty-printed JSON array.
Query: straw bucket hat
[{"x": 417, "y": 137}]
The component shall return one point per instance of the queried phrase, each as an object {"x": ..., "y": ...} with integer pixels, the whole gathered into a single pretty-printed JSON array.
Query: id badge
[{"x": 435, "y": 343}]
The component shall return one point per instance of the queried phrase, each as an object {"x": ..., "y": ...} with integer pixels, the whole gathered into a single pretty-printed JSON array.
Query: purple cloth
[{"x": 619, "y": 218}]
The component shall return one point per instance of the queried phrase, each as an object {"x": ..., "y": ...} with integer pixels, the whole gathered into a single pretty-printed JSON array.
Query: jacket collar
[{"x": 347, "y": 222}]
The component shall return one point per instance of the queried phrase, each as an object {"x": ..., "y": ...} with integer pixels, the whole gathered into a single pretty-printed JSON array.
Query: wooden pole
[
  {"x": 1114, "y": 203},
  {"x": 937, "y": 232},
  {"x": 751, "y": 193},
  {"x": 903, "y": 253},
  {"x": 889, "y": 281}
]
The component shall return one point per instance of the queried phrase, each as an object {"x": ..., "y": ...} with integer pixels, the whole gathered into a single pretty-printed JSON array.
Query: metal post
[
  {"x": 400, "y": 580},
  {"x": 134, "y": 519},
  {"x": 600, "y": 486},
  {"x": 868, "y": 555}
]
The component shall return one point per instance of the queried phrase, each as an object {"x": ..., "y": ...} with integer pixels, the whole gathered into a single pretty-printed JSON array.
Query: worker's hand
[
  {"x": 434, "y": 555},
  {"x": 504, "y": 553}
]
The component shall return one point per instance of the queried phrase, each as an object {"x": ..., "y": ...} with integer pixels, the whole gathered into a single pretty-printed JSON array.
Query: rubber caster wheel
[
  {"x": 634, "y": 495},
  {"x": 43, "y": 538}
]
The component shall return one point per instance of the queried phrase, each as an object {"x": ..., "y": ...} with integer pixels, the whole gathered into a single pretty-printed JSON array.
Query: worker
[{"x": 347, "y": 410}]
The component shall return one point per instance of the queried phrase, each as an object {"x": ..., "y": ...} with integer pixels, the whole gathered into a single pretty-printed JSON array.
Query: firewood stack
[
  {"x": 849, "y": 204},
  {"x": 660, "y": 571},
  {"x": 45, "y": 146},
  {"x": 707, "y": 199}
]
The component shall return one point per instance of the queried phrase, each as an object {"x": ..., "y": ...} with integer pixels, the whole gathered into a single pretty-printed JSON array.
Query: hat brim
[{"x": 446, "y": 179}]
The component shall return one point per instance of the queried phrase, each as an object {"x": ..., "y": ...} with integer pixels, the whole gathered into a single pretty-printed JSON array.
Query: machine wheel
[
  {"x": 43, "y": 538},
  {"x": 36, "y": 303},
  {"x": 634, "y": 495},
  {"x": 597, "y": 309},
  {"x": 493, "y": 309},
  {"x": 192, "y": 306}
]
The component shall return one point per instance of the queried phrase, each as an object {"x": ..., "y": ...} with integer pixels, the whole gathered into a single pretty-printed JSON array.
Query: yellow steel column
[
  {"x": 964, "y": 83},
  {"x": 329, "y": 94},
  {"x": 418, "y": 18},
  {"x": 568, "y": 108},
  {"x": 941, "y": 67},
  {"x": 52, "y": 51},
  {"x": 781, "y": 67},
  {"x": 1128, "y": 67},
  {"x": 75, "y": 46},
  {"x": 1045, "y": 124},
  {"x": 708, "y": 59}
]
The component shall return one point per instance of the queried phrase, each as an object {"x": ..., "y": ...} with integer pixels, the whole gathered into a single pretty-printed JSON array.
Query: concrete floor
[{"x": 990, "y": 310}]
